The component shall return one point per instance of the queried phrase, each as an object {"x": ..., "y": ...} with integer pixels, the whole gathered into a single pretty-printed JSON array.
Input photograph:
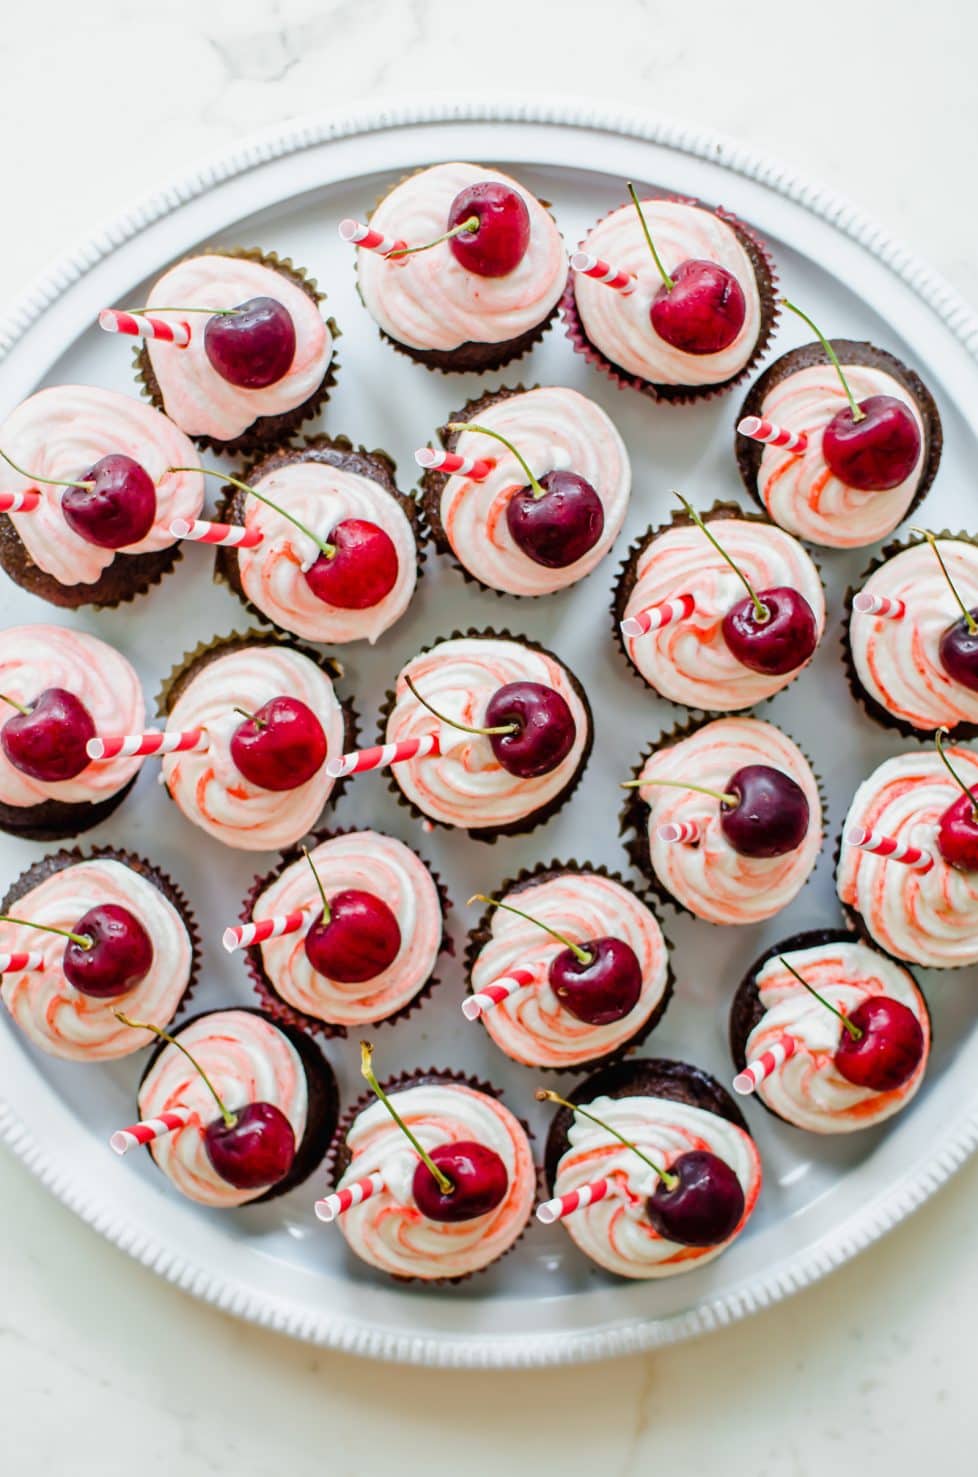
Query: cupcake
[
  {"x": 265, "y": 716},
  {"x": 741, "y": 841},
  {"x": 477, "y": 298},
  {"x": 489, "y": 784},
  {"x": 910, "y": 649},
  {"x": 93, "y": 468},
  {"x": 274, "y": 1085},
  {"x": 922, "y": 908},
  {"x": 577, "y": 975},
  {"x": 718, "y": 650},
  {"x": 639, "y": 1224},
  {"x": 372, "y": 958},
  {"x": 682, "y": 325},
  {"x": 348, "y": 499},
  {"x": 508, "y": 535},
  {"x": 60, "y": 688},
  {"x": 256, "y": 367},
  {"x": 141, "y": 958},
  {"x": 833, "y": 1080}
]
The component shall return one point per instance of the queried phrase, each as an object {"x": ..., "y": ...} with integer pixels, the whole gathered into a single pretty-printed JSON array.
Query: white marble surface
[{"x": 104, "y": 1368}]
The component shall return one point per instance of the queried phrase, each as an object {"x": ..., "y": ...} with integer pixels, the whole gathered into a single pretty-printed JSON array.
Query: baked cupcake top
[
  {"x": 248, "y": 1060},
  {"x": 60, "y": 1019},
  {"x": 429, "y": 300},
  {"x": 388, "y": 1230},
  {"x": 931, "y": 917},
  {"x": 61, "y": 432},
  {"x": 688, "y": 660},
  {"x": 194, "y": 395},
  {"x": 618, "y": 324}
]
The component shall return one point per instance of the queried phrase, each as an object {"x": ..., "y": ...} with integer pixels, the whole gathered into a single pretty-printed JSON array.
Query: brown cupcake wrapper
[
  {"x": 60, "y": 820},
  {"x": 126, "y": 578}
]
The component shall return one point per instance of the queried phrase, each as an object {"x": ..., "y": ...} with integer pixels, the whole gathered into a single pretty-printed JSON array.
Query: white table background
[{"x": 103, "y": 1368}]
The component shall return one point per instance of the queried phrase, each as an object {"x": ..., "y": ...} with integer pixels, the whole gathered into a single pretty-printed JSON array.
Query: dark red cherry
[
  {"x": 562, "y": 526},
  {"x": 359, "y": 941},
  {"x": 703, "y": 311},
  {"x": 889, "y": 1048},
  {"x": 704, "y": 1208},
  {"x": 957, "y": 833},
  {"x": 120, "y": 955},
  {"x": 603, "y": 990},
  {"x": 253, "y": 346},
  {"x": 959, "y": 652},
  {"x": 544, "y": 728},
  {"x": 779, "y": 644},
  {"x": 771, "y": 815},
  {"x": 281, "y": 746},
  {"x": 500, "y": 242},
  {"x": 118, "y": 510},
  {"x": 879, "y": 450},
  {"x": 479, "y": 1182},
  {"x": 257, "y": 1150},
  {"x": 48, "y": 741},
  {"x": 361, "y": 572}
]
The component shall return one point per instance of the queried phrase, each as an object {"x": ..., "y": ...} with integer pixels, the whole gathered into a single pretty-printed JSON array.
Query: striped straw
[
  {"x": 228, "y": 535},
  {"x": 866, "y": 603},
  {"x": 19, "y": 502},
  {"x": 125, "y": 745},
  {"x": 886, "y": 846},
  {"x": 333, "y": 1205},
  {"x": 761, "y": 1067},
  {"x": 149, "y": 1129},
  {"x": 759, "y": 429},
  {"x": 475, "y": 1005},
  {"x": 245, "y": 934},
  {"x": 593, "y": 266},
  {"x": 21, "y": 963},
  {"x": 140, "y": 325},
  {"x": 354, "y": 233},
  {"x": 684, "y": 831},
  {"x": 563, "y": 1205},
  {"x": 679, "y": 608},
  {"x": 477, "y": 468},
  {"x": 382, "y": 755}
]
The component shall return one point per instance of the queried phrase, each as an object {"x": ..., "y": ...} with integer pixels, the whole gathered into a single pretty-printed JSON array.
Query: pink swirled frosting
[
  {"x": 55, "y": 1016},
  {"x": 61, "y": 432}
]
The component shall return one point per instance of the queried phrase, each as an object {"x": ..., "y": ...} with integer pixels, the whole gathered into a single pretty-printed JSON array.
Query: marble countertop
[{"x": 866, "y": 1368}]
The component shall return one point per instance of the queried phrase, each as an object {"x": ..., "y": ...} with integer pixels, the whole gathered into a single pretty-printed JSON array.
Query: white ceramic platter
[{"x": 822, "y": 1201}]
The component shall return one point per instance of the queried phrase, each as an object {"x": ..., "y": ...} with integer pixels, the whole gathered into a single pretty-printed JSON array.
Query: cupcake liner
[
  {"x": 128, "y": 576},
  {"x": 267, "y": 431},
  {"x": 274, "y": 1005},
  {"x": 60, "y": 820},
  {"x": 491, "y": 834},
  {"x": 766, "y": 277},
  {"x": 543, "y": 872}
]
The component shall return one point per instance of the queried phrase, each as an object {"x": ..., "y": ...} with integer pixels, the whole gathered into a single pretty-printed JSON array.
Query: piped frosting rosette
[
  {"x": 928, "y": 918},
  {"x": 688, "y": 660},
  {"x": 388, "y": 1230}
]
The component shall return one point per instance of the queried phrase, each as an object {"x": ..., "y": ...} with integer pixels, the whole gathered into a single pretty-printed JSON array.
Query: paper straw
[
  {"x": 886, "y": 846},
  {"x": 141, "y": 325},
  {"x": 475, "y": 1005},
  {"x": 866, "y": 603},
  {"x": 149, "y": 1129},
  {"x": 761, "y": 1067},
  {"x": 354, "y": 233},
  {"x": 682, "y": 831},
  {"x": 563, "y": 1205},
  {"x": 23, "y": 963},
  {"x": 759, "y": 429},
  {"x": 243, "y": 935},
  {"x": 593, "y": 266},
  {"x": 126, "y": 745},
  {"x": 476, "y": 468},
  {"x": 19, "y": 502},
  {"x": 383, "y": 755},
  {"x": 227, "y": 535},
  {"x": 679, "y": 608},
  {"x": 333, "y": 1205}
]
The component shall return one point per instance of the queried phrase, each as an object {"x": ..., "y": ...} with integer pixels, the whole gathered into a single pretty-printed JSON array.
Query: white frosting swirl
[
  {"x": 928, "y": 918},
  {"x": 800, "y": 492},
  {"x": 388, "y": 1230},
  {"x": 208, "y": 786},
  {"x": 249, "y": 1061},
  {"x": 194, "y": 394},
  {"x": 320, "y": 496},
  {"x": 709, "y": 877},
  {"x": 616, "y": 1232},
  {"x": 619, "y": 325},
  {"x": 808, "y": 1090},
  {"x": 689, "y": 661},
  {"x": 429, "y": 300},
  {"x": 33, "y": 658},
  {"x": 532, "y": 1026},
  {"x": 368, "y": 862},
  {"x": 554, "y": 429},
  {"x": 898, "y": 661},
  {"x": 55, "y": 1016},
  {"x": 61, "y": 432},
  {"x": 467, "y": 786}
]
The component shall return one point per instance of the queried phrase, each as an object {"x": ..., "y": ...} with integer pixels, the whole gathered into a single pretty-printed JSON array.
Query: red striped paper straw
[
  {"x": 245, "y": 934},
  {"x": 685, "y": 832},
  {"x": 21, "y": 963},
  {"x": 228, "y": 535},
  {"x": 759, "y": 429},
  {"x": 126, "y": 745},
  {"x": 333, "y": 1205},
  {"x": 141, "y": 325},
  {"x": 477, "y": 468},
  {"x": 382, "y": 755},
  {"x": 866, "y": 603},
  {"x": 563, "y": 1205},
  {"x": 19, "y": 502},
  {"x": 601, "y": 271},
  {"x": 149, "y": 1129},
  {"x": 475, "y": 1005},
  {"x": 679, "y": 608},
  {"x": 886, "y": 846},
  {"x": 762, "y": 1067},
  {"x": 354, "y": 233}
]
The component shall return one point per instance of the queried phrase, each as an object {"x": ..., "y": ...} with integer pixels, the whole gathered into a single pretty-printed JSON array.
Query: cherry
[
  {"x": 253, "y": 345},
  {"x": 958, "y": 648},
  {"x": 780, "y": 641},
  {"x": 254, "y": 1150},
  {"x": 113, "y": 504},
  {"x": 704, "y": 1203},
  {"x": 360, "y": 571},
  {"x": 501, "y": 236},
  {"x": 478, "y": 1178},
  {"x": 957, "y": 832},
  {"x": 279, "y": 747},
  {"x": 770, "y": 815},
  {"x": 47, "y": 738},
  {"x": 530, "y": 727},
  {"x": 700, "y": 307},
  {"x": 888, "y": 1048},
  {"x": 117, "y": 954},
  {"x": 357, "y": 938}
]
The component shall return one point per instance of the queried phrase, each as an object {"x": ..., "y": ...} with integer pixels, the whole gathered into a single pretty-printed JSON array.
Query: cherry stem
[
  {"x": 367, "y": 1072},
  {"x": 469, "y": 226},
  {"x": 544, "y": 1095},
  {"x": 970, "y": 621},
  {"x": 327, "y": 913},
  {"x": 229, "y": 1118},
  {"x": 453, "y": 722},
  {"x": 670, "y": 284},
  {"x": 25, "y": 712},
  {"x": 213, "y": 312},
  {"x": 761, "y": 612},
  {"x": 854, "y": 1031},
  {"x": 328, "y": 550},
  {"x": 81, "y": 939},
  {"x": 251, "y": 717},
  {"x": 857, "y": 414},
  {"x": 723, "y": 796},
  {"x": 939, "y": 738},
  {"x": 48, "y": 481},
  {"x": 583, "y": 956},
  {"x": 538, "y": 491}
]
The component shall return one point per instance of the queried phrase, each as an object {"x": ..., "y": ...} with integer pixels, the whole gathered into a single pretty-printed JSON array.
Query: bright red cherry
[
  {"x": 358, "y": 940},
  {"x": 256, "y": 1149},
  {"x": 876, "y": 450},
  {"x": 888, "y": 1048},
  {"x": 958, "y": 650},
  {"x": 253, "y": 345},
  {"x": 603, "y": 989},
  {"x": 700, "y": 1203},
  {"x": 703, "y": 311},
  {"x": 771, "y": 814},
  {"x": 957, "y": 833},
  {"x": 779, "y": 643},
  {"x": 478, "y": 1177},
  {"x": 541, "y": 724},
  {"x": 558, "y": 525},
  {"x": 360, "y": 572},
  {"x": 46, "y": 739},
  {"x": 117, "y": 509},
  {"x": 499, "y": 242},
  {"x": 118, "y": 957},
  {"x": 281, "y": 746}
]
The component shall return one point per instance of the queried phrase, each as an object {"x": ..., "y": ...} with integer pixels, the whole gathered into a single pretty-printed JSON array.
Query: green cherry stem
[
  {"x": 328, "y": 550},
  {"x": 250, "y": 717},
  {"x": 583, "y": 956},
  {"x": 970, "y": 621},
  {"x": 670, "y": 284},
  {"x": 544, "y": 1095},
  {"x": 854, "y": 1031},
  {"x": 81, "y": 939},
  {"x": 453, "y": 722},
  {"x": 229, "y": 1118},
  {"x": 14, "y": 704},
  {"x": 48, "y": 481},
  {"x": 212, "y": 312},
  {"x": 761, "y": 611},
  {"x": 857, "y": 414},
  {"x": 468, "y": 226},
  {"x": 939, "y": 738},
  {"x": 367, "y": 1073},
  {"x": 327, "y": 912},
  {"x": 538, "y": 491},
  {"x": 723, "y": 796}
]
